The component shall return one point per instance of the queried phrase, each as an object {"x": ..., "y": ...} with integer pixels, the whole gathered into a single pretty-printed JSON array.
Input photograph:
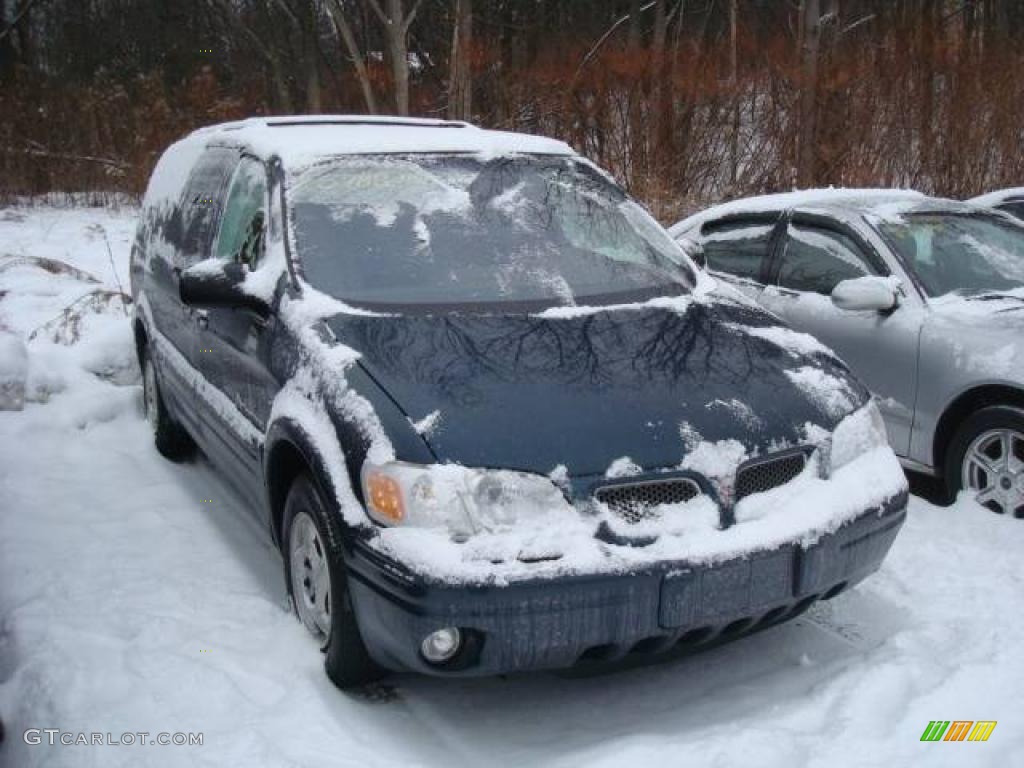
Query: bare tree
[
  {"x": 304, "y": 22},
  {"x": 337, "y": 13},
  {"x": 659, "y": 71},
  {"x": 810, "y": 45},
  {"x": 263, "y": 49},
  {"x": 734, "y": 139},
  {"x": 460, "y": 75},
  {"x": 396, "y": 23}
]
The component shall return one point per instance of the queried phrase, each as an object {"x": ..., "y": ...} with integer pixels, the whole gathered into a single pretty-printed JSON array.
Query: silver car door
[{"x": 812, "y": 257}]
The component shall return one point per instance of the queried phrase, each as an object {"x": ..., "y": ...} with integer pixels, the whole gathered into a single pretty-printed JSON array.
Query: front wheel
[
  {"x": 986, "y": 458},
  {"x": 318, "y": 584},
  {"x": 171, "y": 439}
]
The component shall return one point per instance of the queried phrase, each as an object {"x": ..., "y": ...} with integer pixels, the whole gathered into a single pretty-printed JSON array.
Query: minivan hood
[{"x": 582, "y": 390}]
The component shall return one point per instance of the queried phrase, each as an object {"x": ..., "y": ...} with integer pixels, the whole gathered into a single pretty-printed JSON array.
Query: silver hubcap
[
  {"x": 994, "y": 471},
  {"x": 149, "y": 394},
  {"x": 311, "y": 578}
]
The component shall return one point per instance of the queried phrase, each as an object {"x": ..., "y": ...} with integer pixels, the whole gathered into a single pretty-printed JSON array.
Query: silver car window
[
  {"x": 1015, "y": 208},
  {"x": 737, "y": 248},
  {"x": 966, "y": 253},
  {"x": 815, "y": 260}
]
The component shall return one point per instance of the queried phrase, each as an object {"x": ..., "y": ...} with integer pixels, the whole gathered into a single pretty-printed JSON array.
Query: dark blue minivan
[{"x": 492, "y": 415}]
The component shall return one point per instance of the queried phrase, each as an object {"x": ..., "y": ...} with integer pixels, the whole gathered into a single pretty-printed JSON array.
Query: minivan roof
[{"x": 301, "y": 139}]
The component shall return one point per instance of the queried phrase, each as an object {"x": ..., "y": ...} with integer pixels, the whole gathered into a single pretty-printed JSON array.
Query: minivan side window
[
  {"x": 241, "y": 228},
  {"x": 815, "y": 260},
  {"x": 202, "y": 202},
  {"x": 737, "y": 247}
]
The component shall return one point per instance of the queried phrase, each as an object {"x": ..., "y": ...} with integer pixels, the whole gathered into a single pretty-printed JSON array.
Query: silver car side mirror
[{"x": 867, "y": 294}]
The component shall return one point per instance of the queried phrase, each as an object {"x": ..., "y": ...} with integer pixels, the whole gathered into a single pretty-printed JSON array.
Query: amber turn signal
[{"x": 384, "y": 497}]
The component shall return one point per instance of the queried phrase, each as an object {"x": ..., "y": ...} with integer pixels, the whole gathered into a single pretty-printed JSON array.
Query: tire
[
  {"x": 312, "y": 542},
  {"x": 986, "y": 455},
  {"x": 172, "y": 441}
]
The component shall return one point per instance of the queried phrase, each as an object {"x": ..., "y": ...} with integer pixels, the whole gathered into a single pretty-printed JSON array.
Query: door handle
[{"x": 202, "y": 318}]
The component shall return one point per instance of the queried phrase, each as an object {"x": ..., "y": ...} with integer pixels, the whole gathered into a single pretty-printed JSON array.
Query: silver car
[
  {"x": 922, "y": 297},
  {"x": 1009, "y": 200}
]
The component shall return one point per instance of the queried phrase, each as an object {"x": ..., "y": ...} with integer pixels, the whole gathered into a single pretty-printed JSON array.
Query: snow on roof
[
  {"x": 302, "y": 139},
  {"x": 830, "y": 197},
  {"x": 998, "y": 196}
]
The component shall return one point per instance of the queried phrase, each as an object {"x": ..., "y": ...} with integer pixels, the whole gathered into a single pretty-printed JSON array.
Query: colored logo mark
[{"x": 958, "y": 730}]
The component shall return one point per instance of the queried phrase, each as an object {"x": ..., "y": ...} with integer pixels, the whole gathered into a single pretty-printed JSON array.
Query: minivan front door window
[{"x": 241, "y": 229}]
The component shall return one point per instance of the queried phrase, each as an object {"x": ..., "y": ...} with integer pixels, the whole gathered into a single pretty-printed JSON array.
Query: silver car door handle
[{"x": 202, "y": 318}]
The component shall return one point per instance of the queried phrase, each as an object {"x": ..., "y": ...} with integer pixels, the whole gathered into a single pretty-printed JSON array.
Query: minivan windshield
[
  {"x": 434, "y": 231},
  {"x": 965, "y": 253}
]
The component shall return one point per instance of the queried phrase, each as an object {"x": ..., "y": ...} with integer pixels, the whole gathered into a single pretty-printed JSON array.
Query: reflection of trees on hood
[{"x": 456, "y": 353}]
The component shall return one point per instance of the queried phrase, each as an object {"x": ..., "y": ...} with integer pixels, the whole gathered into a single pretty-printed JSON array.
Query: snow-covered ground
[{"x": 139, "y": 595}]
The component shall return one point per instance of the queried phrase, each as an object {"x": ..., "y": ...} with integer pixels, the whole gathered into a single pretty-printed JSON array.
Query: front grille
[
  {"x": 634, "y": 502},
  {"x": 764, "y": 474}
]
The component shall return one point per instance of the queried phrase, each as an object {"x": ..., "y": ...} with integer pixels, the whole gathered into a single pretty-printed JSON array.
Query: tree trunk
[
  {"x": 460, "y": 77},
  {"x": 396, "y": 34},
  {"x": 311, "y": 53},
  {"x": 349, "y": 39},
  {"x": 399, "y": 53},
  {"x": 734, "y": 138},
  {"x": 634, "y": 24},
  {"x": 809, "y": 52},
  {"x": 284, "y": 97},
  {"x": 659, "y": 71}
]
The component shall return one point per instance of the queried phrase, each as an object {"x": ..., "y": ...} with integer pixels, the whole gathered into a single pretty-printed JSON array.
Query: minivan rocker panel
[{"x": 464, "y": 485}]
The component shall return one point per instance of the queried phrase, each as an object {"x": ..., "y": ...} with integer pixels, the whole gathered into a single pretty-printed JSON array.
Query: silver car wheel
[
  {"x": 994, "y": 471},
  {"x": 311, "y": 577},
  {"x": 149, "y": 394}
]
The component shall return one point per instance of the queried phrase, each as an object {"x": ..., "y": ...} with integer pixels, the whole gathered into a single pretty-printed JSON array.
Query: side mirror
[
  {"x": 867, "y": 294},
  {"x": 213, "y": 284},
  {"x": 694, "y": 250}
]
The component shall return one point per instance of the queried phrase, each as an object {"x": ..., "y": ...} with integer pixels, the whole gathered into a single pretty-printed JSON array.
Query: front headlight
[
  {"x": 860, "y": 432},
  {"x": 464, "y": 500}
]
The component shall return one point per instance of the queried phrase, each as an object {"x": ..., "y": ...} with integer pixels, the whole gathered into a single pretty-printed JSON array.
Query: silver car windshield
[
  {"x": 963, "y": 253},
  {"x": 425, "y": 231}
]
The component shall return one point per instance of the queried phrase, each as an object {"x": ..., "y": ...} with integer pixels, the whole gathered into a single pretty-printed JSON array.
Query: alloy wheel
[{"x": 993, "y": 470}]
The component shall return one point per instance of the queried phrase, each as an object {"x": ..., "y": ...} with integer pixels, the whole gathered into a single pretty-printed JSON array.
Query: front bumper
[{"x": 554, "y": 623}]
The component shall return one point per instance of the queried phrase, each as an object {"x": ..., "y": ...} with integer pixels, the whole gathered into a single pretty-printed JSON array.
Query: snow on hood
[
  {"x": 585, "y": 388},
  {"x": 1007, "y": 306},
  {"x": 982, "y": 337}
]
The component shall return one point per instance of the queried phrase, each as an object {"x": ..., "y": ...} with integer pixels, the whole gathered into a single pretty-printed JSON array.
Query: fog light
[{"x": 442, "y": 645}]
